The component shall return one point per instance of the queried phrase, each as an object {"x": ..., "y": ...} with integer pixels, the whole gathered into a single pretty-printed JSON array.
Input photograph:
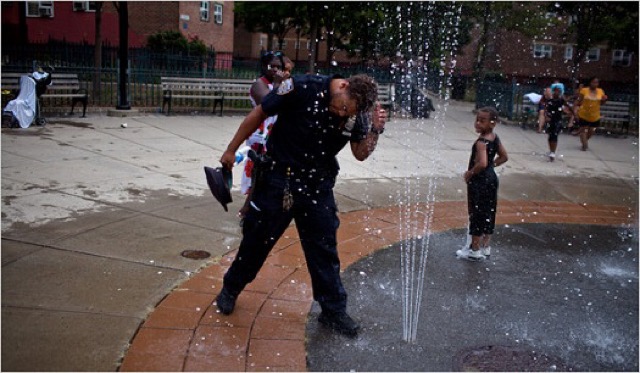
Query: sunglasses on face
[{"x": 274, "y": 54}]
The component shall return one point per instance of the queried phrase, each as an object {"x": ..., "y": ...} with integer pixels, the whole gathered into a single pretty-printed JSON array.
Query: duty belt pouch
[{"x": 261, "y": 163}]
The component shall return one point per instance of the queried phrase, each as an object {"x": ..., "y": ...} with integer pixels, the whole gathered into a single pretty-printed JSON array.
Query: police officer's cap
[{"x": 220, "y": 180}]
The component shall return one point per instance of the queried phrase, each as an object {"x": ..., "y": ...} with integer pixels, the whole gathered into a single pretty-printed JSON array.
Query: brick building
[
  {"x": 512, "y": 54},
  {"x": 249, "y": 45},
  {"x": 74, "y": 21},
  {"x": 547, "y": 57}
]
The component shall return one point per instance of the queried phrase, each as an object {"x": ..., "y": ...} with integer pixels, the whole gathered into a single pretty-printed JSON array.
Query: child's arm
[
  {"x": 481, "y": 161},
  {"x": 502, "y": 157}
]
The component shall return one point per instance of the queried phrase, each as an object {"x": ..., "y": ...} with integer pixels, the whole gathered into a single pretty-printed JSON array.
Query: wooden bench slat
[
  {"x": 204, "y": 89},
  {"x": 228, "y": 89}
]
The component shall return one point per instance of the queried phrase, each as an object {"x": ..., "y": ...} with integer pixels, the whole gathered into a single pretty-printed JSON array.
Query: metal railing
[{"x": 507, "y": 98}]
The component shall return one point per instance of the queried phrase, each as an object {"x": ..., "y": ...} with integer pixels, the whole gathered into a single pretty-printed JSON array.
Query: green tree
[
  {"x": 527, "y": 18},
  {"x": 593, "y": 22},
  {"x": 361, "y": 29},
  {"x": 272, "y": 18},
  {"x": 176, "y": 43}
]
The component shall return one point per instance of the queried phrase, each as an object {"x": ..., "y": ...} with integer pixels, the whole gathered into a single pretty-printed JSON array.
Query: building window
[
  {"x": 39, "y": 8},
  {"x": 262, "y": 41},
  {"x": 568, "y": 52},
  {"x": 204, "y": 11},
  {"x": 308, "y": 44},
  {"x": 621, "y": 57},
  {"x": 284, "y": 42},
  {"x": 542, "y": 51},
  {"x": 217, "y": 13},
  {"x": 84, "y": 6},
  {"x": 593, "y": 55}
]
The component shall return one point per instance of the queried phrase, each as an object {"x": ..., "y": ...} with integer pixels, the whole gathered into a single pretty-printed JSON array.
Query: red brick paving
[{"x": 266, "y": 332}]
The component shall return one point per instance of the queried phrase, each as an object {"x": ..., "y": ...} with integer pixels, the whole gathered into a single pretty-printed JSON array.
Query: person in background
[
  {"x": 575, "y": 129},
  {"x": 589, "y": 102},
  {"x": 273, "y": 72},
  {"x": 553, "y": 114},
  {"x": 546, "y": 96},
  {"x": 482, "y": 185}
]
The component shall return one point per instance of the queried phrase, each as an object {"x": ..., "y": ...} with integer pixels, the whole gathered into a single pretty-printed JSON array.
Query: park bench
[
  {"x": 203, "y": 89},
  {"x": 220, "y": 90},
  {"x": 614, "y": 114},
  {"x": 63, "y": 86},
  {"x": 386, "y": 95}
]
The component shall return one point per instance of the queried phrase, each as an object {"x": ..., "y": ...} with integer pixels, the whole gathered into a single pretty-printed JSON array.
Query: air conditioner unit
[
  {"x": 79, "y": 6},
  {"x": 45, "y": 12}
]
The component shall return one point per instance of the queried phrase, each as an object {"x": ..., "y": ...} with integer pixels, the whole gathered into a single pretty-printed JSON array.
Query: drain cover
[
  {"x": 506, "y": 359},
  {"x": 195, "y": 254}
]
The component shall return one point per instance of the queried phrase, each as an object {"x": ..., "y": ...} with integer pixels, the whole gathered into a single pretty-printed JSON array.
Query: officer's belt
[{"x": 283, "y": 168}]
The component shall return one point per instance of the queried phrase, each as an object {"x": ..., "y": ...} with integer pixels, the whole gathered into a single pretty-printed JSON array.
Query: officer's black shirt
[{"x": 306, "y": 136}]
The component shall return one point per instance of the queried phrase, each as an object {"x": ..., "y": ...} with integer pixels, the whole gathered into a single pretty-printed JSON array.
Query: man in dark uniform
[{"x": 317, "y": 117}]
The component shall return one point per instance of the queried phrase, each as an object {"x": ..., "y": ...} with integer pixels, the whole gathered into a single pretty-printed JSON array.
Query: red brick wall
[
  {"x": 512, "y": 54},
  {"x": 218, "y": 36},
  {"x": 145, "y": 18},
  {"x": 150, "y": 17},
  {"x": 247, "y": 45}
]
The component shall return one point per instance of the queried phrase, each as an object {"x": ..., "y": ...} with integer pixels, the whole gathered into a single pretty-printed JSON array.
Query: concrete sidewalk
[{"x": 95, "y": 216}]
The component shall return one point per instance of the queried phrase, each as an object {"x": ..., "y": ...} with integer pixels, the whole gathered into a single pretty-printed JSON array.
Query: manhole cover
[
  {"x": 506, "y": 359},
  {"x": 195, "y": 254}
]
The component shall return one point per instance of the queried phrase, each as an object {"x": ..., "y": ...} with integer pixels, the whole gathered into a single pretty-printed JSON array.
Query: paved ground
[
  {"x": 95, "y": 216},
  {"x": 572, "y": 299}
]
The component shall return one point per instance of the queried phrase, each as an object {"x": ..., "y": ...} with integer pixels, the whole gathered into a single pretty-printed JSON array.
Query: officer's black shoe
[
  {"x": 225, "y": 302},
  {"x": 340, "y": 322}
]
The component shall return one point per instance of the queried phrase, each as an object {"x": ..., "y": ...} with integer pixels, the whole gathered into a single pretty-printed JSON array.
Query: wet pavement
[
  {"x": 95, "y": 218},
  {"x": 551, "y": 297}
]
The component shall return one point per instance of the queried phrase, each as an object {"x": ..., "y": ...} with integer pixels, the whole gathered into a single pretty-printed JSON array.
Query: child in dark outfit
[
  {"x": 553, "y": 115},
  {"x": 482, "y": 185}
]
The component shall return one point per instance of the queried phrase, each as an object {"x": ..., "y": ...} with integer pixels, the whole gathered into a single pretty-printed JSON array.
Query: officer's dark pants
[{"x": 314, "y": 211}]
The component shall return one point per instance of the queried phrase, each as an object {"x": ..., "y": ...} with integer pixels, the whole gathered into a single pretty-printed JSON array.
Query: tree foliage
[
  {"x": 175, "y": 42},
  {"x": 593, "y": 23},
  {"x": 429, "y": 30},
  {"x": 272, "y": 18},
  {"x": 527, "y": 18}
]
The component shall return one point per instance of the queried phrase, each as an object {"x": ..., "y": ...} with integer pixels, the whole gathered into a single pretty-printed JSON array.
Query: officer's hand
[
  {"x": 228, "y": 159},
  {"x": 467, "y": 176},
  {"x": 379, "y": 117}
]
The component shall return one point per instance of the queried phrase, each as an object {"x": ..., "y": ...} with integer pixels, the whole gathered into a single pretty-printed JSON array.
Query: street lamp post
[{"x": 123, "y": 22}]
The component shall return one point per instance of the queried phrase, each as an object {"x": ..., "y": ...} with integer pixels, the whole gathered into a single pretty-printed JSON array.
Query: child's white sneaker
[
  {"x": 467, "y": 253},
  {"x": 552, "y": 156},
  {"x": 486, "y": 251}
]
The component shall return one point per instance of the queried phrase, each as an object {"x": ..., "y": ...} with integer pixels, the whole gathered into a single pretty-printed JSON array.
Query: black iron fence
[
  {"x": 146, "y": 68},
  {"x": 508, "y": 99}
]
